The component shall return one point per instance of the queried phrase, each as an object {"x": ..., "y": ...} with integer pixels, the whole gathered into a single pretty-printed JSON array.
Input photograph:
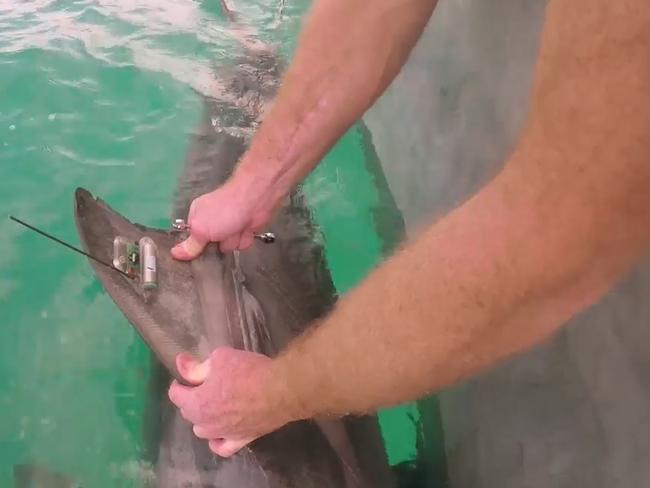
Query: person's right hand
[{"x": 229, "y": 215}]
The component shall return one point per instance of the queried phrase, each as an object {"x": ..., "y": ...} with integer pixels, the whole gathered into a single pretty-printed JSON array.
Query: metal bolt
[
  {"x": 266, "y": 237},
  {"x": 179, "y": 224}
]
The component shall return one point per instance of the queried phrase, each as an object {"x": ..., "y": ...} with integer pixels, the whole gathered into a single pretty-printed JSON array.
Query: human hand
[
  {"x": 232, "y": 402},
  {"x": 230, "y": 215}
]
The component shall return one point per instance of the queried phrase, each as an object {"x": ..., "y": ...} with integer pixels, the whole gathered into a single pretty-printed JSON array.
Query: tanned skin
[
  {"x": 566, "y": 218},
  {"x": 348, "y": 53}
]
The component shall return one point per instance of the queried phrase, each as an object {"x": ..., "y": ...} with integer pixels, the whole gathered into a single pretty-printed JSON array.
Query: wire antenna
[{"x": 69, "y": 246}]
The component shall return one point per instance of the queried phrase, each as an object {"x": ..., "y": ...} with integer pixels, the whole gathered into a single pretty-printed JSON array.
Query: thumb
[
  {"x": 225, "y": 448},
  {"x": 192, "y": 371},
  {"x": 189, "y": 249}
]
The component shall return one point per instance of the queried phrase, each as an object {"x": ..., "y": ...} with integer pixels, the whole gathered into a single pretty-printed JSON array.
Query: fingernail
[
  {"x": 179, "y": 252},
  {"x": 193, "y": 371}
]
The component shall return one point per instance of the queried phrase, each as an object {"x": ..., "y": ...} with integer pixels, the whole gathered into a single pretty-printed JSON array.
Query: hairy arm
[
  {"x": 568, "y": 215},
  {"x": 348, "y": 53}
]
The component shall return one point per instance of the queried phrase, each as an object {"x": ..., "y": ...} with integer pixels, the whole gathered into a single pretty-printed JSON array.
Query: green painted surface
[{"x": 101, "y": 95}]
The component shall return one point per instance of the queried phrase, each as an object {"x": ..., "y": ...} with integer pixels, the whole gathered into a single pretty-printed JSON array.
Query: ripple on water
[{"x": 72, "y": 156}]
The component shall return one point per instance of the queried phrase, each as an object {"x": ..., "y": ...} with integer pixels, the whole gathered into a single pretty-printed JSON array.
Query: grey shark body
[{"x": 256, "y": 300}]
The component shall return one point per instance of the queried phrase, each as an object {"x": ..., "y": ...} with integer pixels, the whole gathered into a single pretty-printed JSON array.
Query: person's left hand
[{"x": 231, "y": 403}]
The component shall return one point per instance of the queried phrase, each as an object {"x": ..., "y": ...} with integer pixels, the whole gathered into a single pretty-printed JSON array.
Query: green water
[{"x": 101, "y": 94}]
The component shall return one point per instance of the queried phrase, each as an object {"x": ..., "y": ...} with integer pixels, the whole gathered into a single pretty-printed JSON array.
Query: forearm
[
  {"x": 348, "y": 53},
  {"x": 568, "y": 215}
]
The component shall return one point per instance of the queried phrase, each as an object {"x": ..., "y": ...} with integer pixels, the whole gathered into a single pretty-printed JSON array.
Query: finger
[
  {"x": 207, "y": 432},
  {"x": 191, "y": 370},
  {"x": 229, "y": 244},
  {"x": 183, "y": 397},
  {"x": 246, "y": 240},
  {"x": 189, "y": 249},
  {"x": 226, "y": 448}
]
